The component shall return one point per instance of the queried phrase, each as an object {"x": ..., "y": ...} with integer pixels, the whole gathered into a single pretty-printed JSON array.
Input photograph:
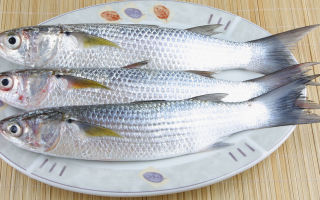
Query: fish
[
  {"x": 155, "y": 129},
  {"x": 117, "y": 45},
  {"x": 30, "y": 89}
]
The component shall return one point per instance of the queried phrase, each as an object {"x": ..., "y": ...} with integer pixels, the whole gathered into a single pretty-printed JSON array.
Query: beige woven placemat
[{"x": 292, "y": 172}]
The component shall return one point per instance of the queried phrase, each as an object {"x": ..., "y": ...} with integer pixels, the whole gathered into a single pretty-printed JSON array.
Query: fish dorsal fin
[
  {"x": 75, "y": 82},
  {"x": 205, "y": 29},
  {"x": 141, "y": 25},
  {"x": 136, "y": 65},
  {"x": 89, "y": 41},
  {"x": 211, "y": 97},
  {"x": 202, "y": 73},
  {"x": 94, "y": 130}
]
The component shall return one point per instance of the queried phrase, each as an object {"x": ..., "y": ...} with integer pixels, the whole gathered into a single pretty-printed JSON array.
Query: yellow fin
[
  {"x": 94, "y": 130},
  {"x": 91, "y": 40},
  {"x": 79, "y": 83}
]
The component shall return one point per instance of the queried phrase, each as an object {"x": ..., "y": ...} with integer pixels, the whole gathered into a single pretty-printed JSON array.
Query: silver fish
[
  {"x": 152, "y": 130},
  {"x": 42, "y": 88},
  {"x": 117, "y": 45}
]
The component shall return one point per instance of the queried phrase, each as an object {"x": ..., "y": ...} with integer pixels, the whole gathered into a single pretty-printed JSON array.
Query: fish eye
[
  {"x": 6, "y": 83},
  {"x": 13, "y": 41},
  {"x": 14, "y": 130}
]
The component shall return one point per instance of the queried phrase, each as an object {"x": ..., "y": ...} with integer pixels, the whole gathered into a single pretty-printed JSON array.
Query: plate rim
[{"x": 155, "y": 192}]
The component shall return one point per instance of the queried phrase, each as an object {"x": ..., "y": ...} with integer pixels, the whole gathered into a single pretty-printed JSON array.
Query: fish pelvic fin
[
  {"x": 136, "y": 65},
  {"x": 276, "y": 50},
  {"x": 285, "y": 106}
]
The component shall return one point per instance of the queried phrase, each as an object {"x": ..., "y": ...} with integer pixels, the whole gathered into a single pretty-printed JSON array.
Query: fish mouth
[
  {"x": 2, "y": 132},
  {"x": 2, "y": 51},
  {"x": 3, "y": 129}
]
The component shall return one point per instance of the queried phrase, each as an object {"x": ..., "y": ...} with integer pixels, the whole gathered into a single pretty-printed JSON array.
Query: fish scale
[
  {"x": 172, "y": 49},
  {"x": 124, "y": 85},
  {"x": 155, "y": 129},
  {"x": 174, "y": 136},
  {"x": 40, "y": 88},
  {"x": 117, "y": 45}
]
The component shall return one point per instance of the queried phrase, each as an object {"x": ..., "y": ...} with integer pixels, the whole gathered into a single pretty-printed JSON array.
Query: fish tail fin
[
  {"x": 274, "y": 51},
  {"x": 285, "y": 105},
  {"x": 284, "y": 76}
]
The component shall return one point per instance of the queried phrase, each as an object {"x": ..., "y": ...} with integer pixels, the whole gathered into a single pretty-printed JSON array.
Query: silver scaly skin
[
  {"x": 43, "y": 88},
  {"x": 149, "y": 130},
  {"x": 117, "y": 45},
  {"x": 152, "y": 130}
]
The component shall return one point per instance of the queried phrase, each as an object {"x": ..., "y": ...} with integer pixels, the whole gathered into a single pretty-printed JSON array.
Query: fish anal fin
[
  {"x": 150, "y": 101},
  {"x": 201, "y": 73},
  {"x": 217, "y": 145},
  {"x": 211, "y": 97}
]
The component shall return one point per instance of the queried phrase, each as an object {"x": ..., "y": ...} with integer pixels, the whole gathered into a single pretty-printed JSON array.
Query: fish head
[
  {"x": 36, "y": 130},
  {"x": 29, "y": 46},
  {"x": 26, "y": 88}
]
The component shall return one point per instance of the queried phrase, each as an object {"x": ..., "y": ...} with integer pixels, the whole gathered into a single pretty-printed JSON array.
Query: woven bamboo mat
[{"x": 291, "y": 172}]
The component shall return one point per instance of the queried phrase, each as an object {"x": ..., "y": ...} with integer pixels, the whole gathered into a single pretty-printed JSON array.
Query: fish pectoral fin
[
  {"x": 211, "y": 97},
  {"x": 79, "y": 83},
  {"x": 206, "y": 29},
  {"x": 136, "y": 65},
  {"x": 94, "y": 130},
  {"x": 202, "y": 73},
  {"x": 89, "y": 41}
]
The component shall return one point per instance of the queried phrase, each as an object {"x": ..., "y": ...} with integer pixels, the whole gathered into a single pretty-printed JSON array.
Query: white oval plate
[{"x": 161, "y": 176}]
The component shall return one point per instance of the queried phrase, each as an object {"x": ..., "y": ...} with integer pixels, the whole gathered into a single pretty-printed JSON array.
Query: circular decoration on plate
[
  {"x": 154, "y": 177},
  {"x": 134, "y": 13},
  {"x": 110, "y": 15},
  {"x": 161, "y": 11}
]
